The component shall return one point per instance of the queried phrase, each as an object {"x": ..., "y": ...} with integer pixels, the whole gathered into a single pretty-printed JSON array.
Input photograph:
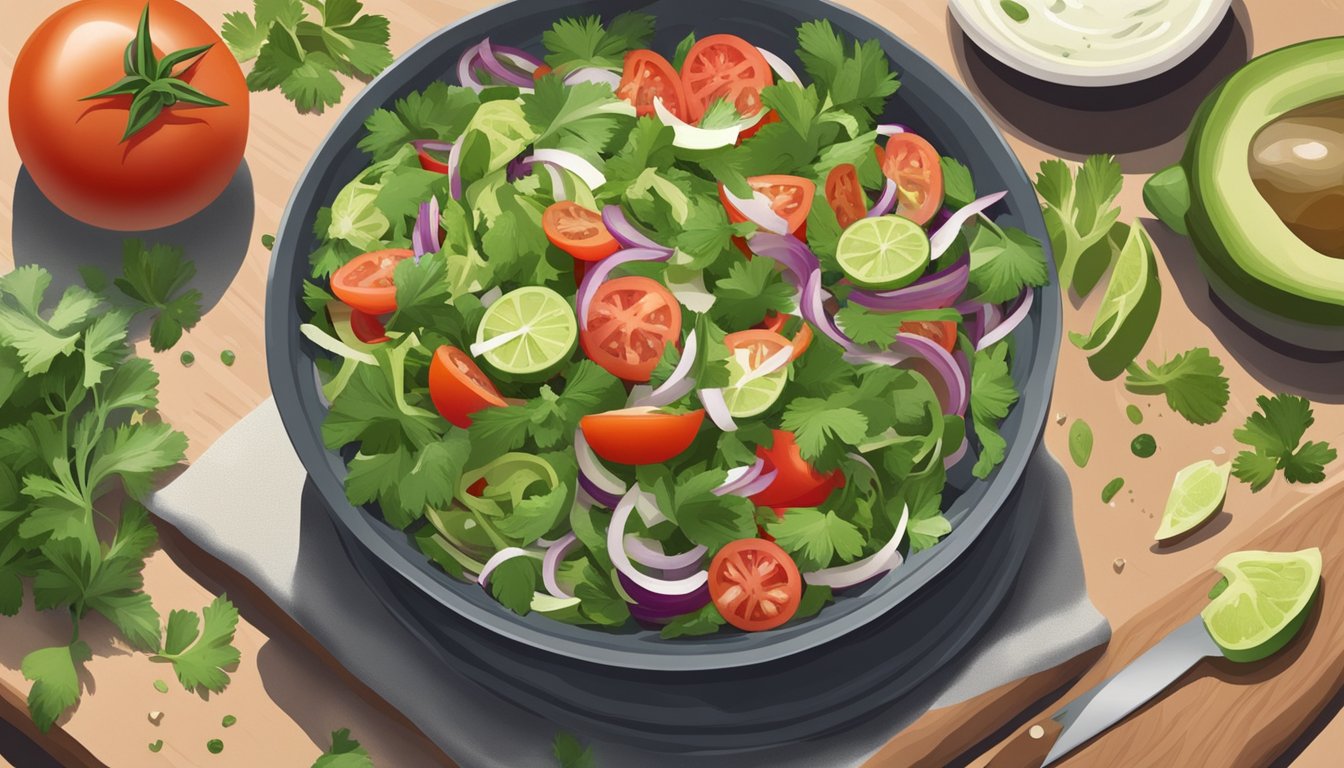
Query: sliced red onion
[
  {"x": 518, "y": 57},
  {"x": 647, "y": 507},
  {"x": 792, "y": 253},
  {"x": 717, "y": 408},
  {"x": 782, "y": 70},
  {"x": 425, "y": 234},
  {"x": 555, "y": 554},
  {"x": 656, "y": 608},
  {"x": 740, "y": 476},
  {"x": 499, "y": 71},
  {"x": 768, "y": 366},
  {"x": 620, "y": 518},
  {"x": 887, "y": 202},
  {"x": 586, "y": 171},
  {"x": 607, "y": 485},
  {"x": 813, "y": 304},
  {"x": 758, "y": 211},
  {"x": 600, "y": 271},
  {"x": 427, "y": 161},
  {"x": 507, "y": 553},
  {"x": 594, "y": 75},
  {"x": 993, "y": 316},
  {"x": 597, "y": 496},
  {"x": 689, "y": 136},
  {"x": 851, "y": 574},
  {"x": 942, "y": 238},
  {"x": 935, "y": 291},
  {"x": 466, "y": 68},
  {"x": 651, "y": 554},
  {"x": 679, "y": 383},
  {"x": 761, "y": 482},
  {"x": 891, "y": 129},
  {"x": 948, "y": 369},
  {"x": 626, "y": 233},
  {"x": 1011, "y": 322},
  {"x": 952, "y": 458},
  {"x": 455, "y": 171}
]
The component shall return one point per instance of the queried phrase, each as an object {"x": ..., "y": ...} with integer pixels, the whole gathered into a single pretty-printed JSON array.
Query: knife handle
[{"x": 1030, "y": 746}]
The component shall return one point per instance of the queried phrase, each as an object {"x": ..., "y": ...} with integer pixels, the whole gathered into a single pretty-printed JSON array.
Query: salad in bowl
[{"x": 685, "y": 339}]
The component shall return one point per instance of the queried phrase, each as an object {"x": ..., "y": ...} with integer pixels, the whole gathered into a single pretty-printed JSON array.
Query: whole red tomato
[{"x": 173, "y": 167}]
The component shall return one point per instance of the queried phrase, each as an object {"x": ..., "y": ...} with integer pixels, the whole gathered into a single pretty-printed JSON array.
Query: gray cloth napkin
[{"x": 294, "y": 555}]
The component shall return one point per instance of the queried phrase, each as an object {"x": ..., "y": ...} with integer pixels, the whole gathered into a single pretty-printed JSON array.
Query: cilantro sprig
[
  {"x": 1079, "y": 212},
  {"x": 303, "y": 58},
  {"x": 345, "y": 752},
  {"x": 1193, "y": 383},
  {"x": 1274, "y": 434}
]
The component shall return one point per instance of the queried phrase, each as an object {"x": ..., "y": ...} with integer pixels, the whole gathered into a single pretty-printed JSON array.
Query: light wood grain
[{"x": 293, "y": 701}]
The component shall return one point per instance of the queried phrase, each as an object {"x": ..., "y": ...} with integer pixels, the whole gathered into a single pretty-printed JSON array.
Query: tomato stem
[{"x": 150, "y": 81}]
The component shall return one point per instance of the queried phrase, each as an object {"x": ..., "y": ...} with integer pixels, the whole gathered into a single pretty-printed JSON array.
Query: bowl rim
[
  {"x": 294, "y": 388},
  {"x": 1029, "y": 63}
]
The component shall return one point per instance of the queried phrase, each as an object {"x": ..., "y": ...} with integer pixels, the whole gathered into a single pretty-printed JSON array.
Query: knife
[{"x": 1110, "y": 701}]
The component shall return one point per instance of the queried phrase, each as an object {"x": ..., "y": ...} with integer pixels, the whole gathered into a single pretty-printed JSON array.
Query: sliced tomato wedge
[
  {"x": 640, "y": 435},
  {"x": 944, "y": 332},
  {"x": 771, "y": 116},
  {"x": 845, "y": 195},
  {"x": 630, "y": 320},
  {"x": 646, "y": 76},
  {"x": 755, "y": 584},
  {"x": 541, "y": 71},
  {"x": 430, "y": 162},
  {"x": 790, "y": 197},
  {"x": 797, "y": 483},
  {"x": 458, "y": 387},
  {"x": 915, "y": 166},
  {"x": 725, "y": 67},
  {"x": 368, "y": 328},
  {"x": 365, "y": 282},
  {"x": 578, "y": 231},
  {"x": 801, "y": 340}
]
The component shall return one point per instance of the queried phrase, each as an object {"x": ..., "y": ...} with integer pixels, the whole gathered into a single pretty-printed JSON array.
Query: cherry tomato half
[
  {"x": 944, "y": 332},
  {"x": 578, "y": 231},
  {"x": 640, "y": 435},
  {"x": 725, "y": 67},
  {"x": 915, "y": 166},
  {"x": 790, "y": 197},
  {"x": 368, "y": 328},
  {"x": 845, "y": 195},
  {"x": 630, "y": 320},
  {"x": 797, "y": 483},
  {"x": 755, "y": 584},
  {"x": 458, "y": 387},
  {"x": 647, "y": 76},
  {"x": 760, "y": 344},
  {"x": 365, "y": 282},
  {"x": 801, "y": 340}
]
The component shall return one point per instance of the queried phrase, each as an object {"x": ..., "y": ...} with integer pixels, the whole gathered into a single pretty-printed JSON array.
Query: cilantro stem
[{"x": 495, "y": 538}]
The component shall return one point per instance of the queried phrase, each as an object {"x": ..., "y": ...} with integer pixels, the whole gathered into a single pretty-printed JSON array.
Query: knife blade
[{"x": 1110, "y": 701}]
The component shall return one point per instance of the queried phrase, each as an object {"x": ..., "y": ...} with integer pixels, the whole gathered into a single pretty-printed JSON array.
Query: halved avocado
[{"x": 1253, "y": 260}]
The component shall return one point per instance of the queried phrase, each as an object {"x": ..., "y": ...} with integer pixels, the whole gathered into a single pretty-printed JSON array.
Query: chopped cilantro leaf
[
  {"x": 751, "y": 290},
  {"x": 1274, "y": 433},
  {"x": 200, "y": 648},
  {"x": 992, "y": 394},
  {"x": 1192, "y": 381},
  {"x": 1079, "y": 208},
  {"x": 345, "y": 752},
  {"x": 1005, "y": 260},
  {"x": 155, "y": 278},
  {"x": 584, "y": 42}
]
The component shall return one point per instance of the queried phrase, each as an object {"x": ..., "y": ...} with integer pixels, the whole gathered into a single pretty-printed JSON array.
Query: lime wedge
[
  {"x": 751, "y": 396},
  {"x": 1265, "y": 603},
  {"x": 883, "y": 252},
  {"x": 1196, "y": 495},
  {"x": 528, "y": 332},
  {"x": 1128, "y": 309}
]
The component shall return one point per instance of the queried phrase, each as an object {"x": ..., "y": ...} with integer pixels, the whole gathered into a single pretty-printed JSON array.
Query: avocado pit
[{"x": 1297, "y": 164}]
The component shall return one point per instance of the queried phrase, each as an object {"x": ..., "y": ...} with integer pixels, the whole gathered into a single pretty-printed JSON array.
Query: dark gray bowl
[{"x": 928, "y": 100}]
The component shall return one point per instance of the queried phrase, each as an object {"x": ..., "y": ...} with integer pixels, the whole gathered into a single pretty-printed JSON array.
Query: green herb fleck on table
[
  {"x": 1143, "y": 446},
  {"x": 1192, "y": 381},
  {"x": 160, "y": 686},
  {"x": 156, "y": 745},
  {"x": 228, "y": 721},
  {"x": 215, "y": 746},
  {"x": 1111, "y": 489},
  {"x": 187, "y": 358},
  {"x": 345, "y": 752},
  {"x": 1274, "y": 434},
  {"x": 302, "y": 56},
  {"x": 227, "y": 357},
  {"x": 1014, "y": 11},
  {"x": 268, "y": 241},
  {"x": 1134, "y": 414},
  {"x": 1080, "y": 442},
  {"x": 1079, "y": 213},
  {"x": 571, "y": 753}
]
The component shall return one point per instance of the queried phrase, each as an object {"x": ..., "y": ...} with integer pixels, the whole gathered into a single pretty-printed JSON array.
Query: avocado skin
[{"x": 1238, "y": 236}]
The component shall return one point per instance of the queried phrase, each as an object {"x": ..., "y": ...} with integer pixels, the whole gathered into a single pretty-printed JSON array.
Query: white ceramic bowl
[{"x": 992, "y": 32}]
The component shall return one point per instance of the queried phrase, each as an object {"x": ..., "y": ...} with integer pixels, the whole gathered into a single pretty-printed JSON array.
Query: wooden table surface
[{"x": 288, "y": 695}]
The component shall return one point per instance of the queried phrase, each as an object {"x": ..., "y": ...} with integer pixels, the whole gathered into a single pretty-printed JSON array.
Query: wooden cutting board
[{"x": 1219, "y": 713}]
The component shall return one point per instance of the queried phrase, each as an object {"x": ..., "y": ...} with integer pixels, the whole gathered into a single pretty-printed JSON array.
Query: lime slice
[
  {"x": 528, "y": 332},
  {"x": 883, "y": 252},
  {"x": 1265, "y": 603},
  {"x": 1128, "y": 309},
  {"x": 751, "y": 395},
  {"x": 1196, "y": 495}
]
